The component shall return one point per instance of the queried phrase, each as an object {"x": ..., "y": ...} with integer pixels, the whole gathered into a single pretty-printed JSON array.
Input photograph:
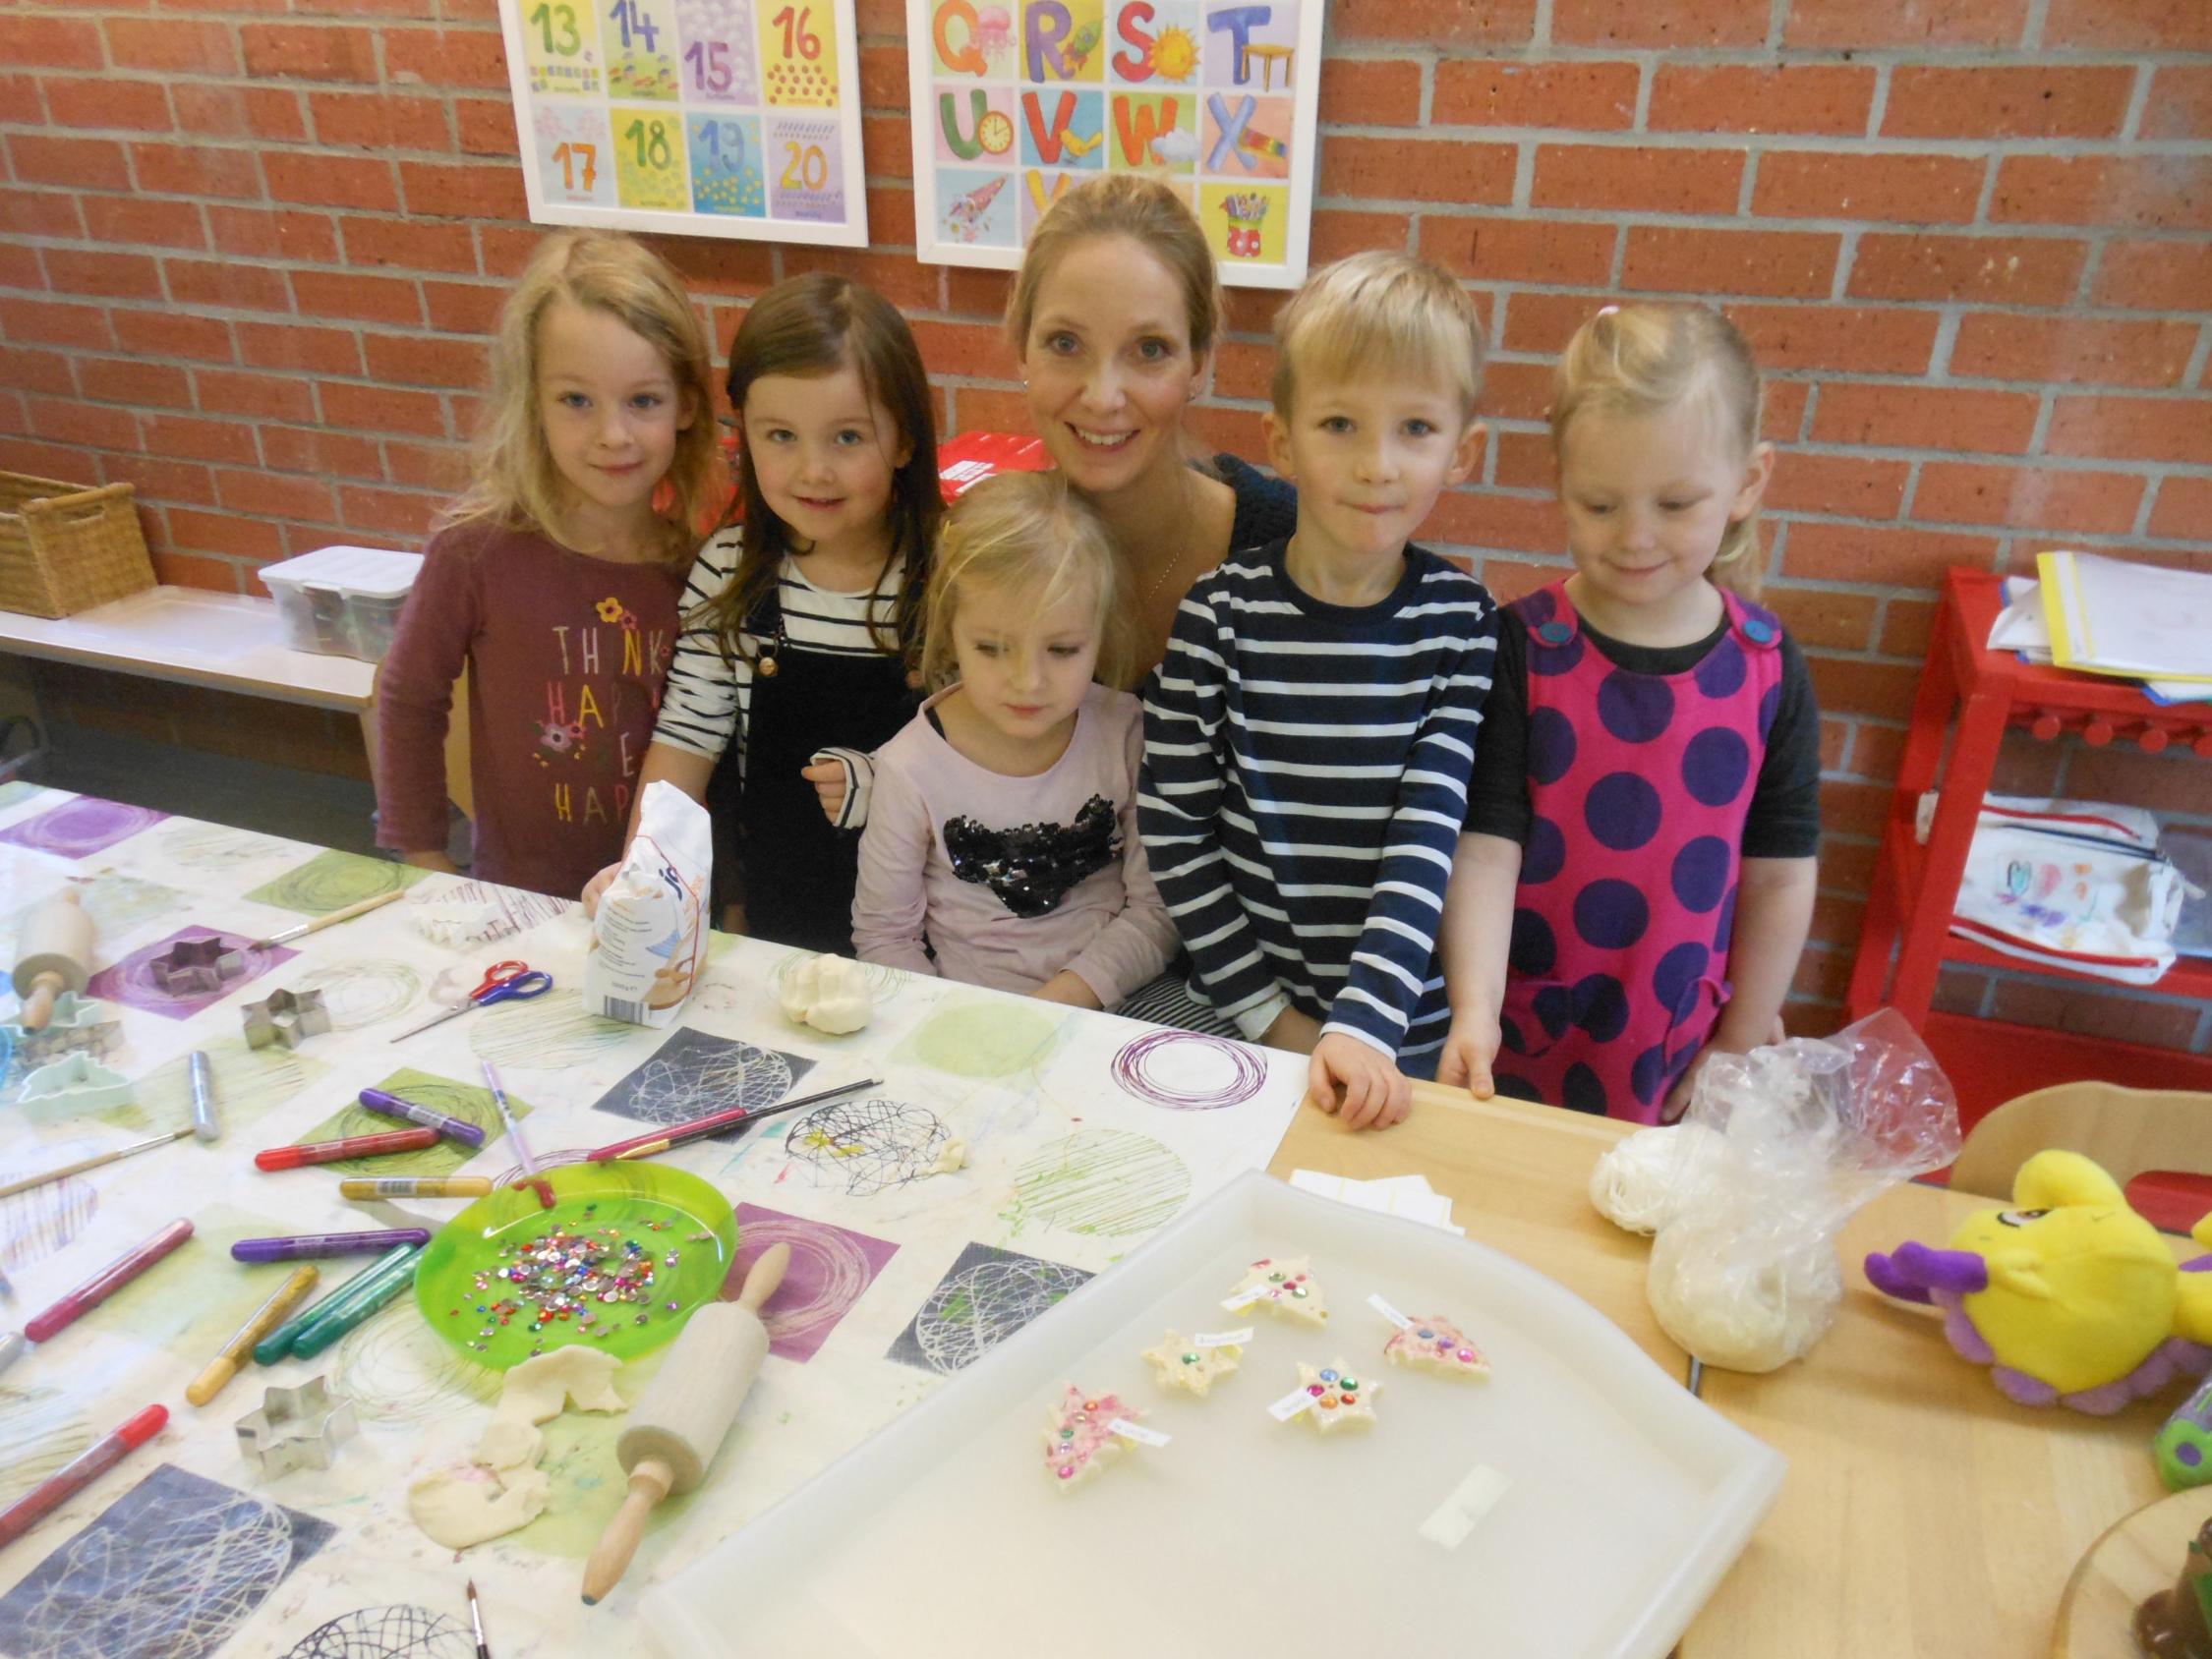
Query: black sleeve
[
  {"x": 1498, "y": 790},
  {"x": 1785, "y": 820},
  {"x": 1266, "y": 507}
]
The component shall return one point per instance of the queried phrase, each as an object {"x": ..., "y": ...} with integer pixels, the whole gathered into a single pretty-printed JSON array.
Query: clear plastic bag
[{"x": 1744, "y": 1272}]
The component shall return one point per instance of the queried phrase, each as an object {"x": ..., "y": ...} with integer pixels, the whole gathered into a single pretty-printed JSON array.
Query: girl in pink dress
[{"x": 1636, "y": 879}]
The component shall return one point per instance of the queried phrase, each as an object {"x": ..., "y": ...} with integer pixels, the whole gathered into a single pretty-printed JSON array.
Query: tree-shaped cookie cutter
[
  {"x": 193, "y": 967},
  {"x": 77, "y": 1082},
  {"x": 78, "y": 1024},
  {"x": 286, "y": 1018},
  {"x": 298, "y": 1428}
]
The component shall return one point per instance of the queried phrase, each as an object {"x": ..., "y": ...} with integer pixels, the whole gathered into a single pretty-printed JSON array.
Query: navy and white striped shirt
[{"x": 1304, "y": 780}]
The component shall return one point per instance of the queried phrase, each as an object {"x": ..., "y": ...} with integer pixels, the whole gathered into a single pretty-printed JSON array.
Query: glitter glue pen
[
  {"x": 204, "y": 1124},
  {"x": 415, "y": 1187},
  {"x": 268, "y": 1349},
  {"x": 226, "y": 1364},
  {"x": 352, "y": 1146},
  {"x": 325, "y": 1329},
  {"x": 106, "y": 1282},
  {"x": 296, "y": 1246},
  {"x": 413, "y": 1112},
  {"x": 73, "y": 1477},
  {"x": 13, "y": 1346}
]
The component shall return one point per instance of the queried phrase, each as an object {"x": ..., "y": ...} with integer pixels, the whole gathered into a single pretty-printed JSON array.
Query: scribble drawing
[
  {"x": 40, "y": 1429},
  {"x": 359, "y": 994},
  {"x": 693, "y": 1073},
  {"x": 80, "y": 828},
  {"x": 332, "y": 880},
  {"x": 1101, "y": 1181},
  {"x": 1189, "y": 1071},
  {"x": 470, "y": 1102},
  {"x": 132, "y": 979},
  {"x": 398, "y": 1371},
  {"x": 832, "y": 1267},
  {"x": 386, "y": 1632},
  {"x": 248, "y": 1082},
  {"x": 214, "y": 846},
  {"x": 547, "y": 1032},
  {"x": 883, "y": 982},
  {"x": 34, "y": 1224},
  {"x": 169, "y": 1571},
  {"x": 989, "y": 1295},
  {"x": 870, "y": 1145}
]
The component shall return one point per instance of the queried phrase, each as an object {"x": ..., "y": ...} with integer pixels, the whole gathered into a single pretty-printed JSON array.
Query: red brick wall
[{"x": 253, "y": 247}]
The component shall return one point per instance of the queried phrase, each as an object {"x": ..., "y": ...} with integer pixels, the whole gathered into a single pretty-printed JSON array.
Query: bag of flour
[{"x": 649, "y": 938}]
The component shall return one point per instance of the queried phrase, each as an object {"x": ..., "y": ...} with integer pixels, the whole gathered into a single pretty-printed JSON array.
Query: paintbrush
[
  {"x": 529, "y": 1174},
  {"x": 476, "y": 1622},
  {"x": 84, "y": 1163},
  {"x": 717, "y": 1123},
  {"x": 331, "y": 921}
]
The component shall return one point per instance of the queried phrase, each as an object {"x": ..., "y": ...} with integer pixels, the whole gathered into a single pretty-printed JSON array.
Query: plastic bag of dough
[
  {"x": 649, "y": 936},
  {"x": 1744, "y": 1272}
]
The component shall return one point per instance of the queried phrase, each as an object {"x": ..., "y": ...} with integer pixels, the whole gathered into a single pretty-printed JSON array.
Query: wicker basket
[{"x": 65, "y": 547}]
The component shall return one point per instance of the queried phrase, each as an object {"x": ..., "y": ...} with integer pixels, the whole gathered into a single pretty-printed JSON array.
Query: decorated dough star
[
  {"x": 1283, "y": 1285},
  {"x": 1078, "y": 1441},
  {"x": 1339, "y": 1397},
  {"x": 1185, "y": 1365},
  {"x": 1433, "y": 1342}
]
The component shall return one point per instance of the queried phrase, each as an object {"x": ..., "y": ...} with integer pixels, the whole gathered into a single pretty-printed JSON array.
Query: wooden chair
[{"x": 2128, "y": 1131}]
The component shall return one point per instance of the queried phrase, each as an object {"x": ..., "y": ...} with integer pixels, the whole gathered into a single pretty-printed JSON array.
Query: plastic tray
[{"x": 944, "y": 1534}]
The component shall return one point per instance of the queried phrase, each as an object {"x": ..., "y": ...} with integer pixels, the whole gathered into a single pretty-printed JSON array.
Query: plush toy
[{"x": 2070, "y": 1297}]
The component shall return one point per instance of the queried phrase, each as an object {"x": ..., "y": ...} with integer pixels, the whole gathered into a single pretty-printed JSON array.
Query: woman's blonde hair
[
  {"x": 517, "y": 484},
  {"x": 1380, "y": 314},
  {"x": 1652, "y": 359},
  {"x": 1033, "y": 535},
  {"x": 1148, "y": 214}
]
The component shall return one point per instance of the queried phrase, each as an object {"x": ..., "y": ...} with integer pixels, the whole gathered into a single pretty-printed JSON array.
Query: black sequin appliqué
[{"x": 1032, "y": 866}]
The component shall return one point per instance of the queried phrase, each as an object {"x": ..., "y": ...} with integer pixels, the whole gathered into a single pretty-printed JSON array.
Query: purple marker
[
  {"x": 327, "y": 1244},
  {"x": 445, "y": 1123}
]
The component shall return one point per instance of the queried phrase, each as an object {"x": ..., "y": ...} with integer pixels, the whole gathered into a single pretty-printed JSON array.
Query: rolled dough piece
[
  {"x": 1185, "y": 1365},
  {"x": 465, "y": 1504},
  {"x": 535, "y": 1393},
  {"x": 1339, "y": 1397},
  {"x": 1284, "y": 1285},
  {"x": 1433, "y": 1342}
]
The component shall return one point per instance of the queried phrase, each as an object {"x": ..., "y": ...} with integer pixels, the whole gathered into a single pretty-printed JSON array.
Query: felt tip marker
[
  {"x": 268, "y": 1349},
  {"x": 296, "y": 1246},
  {"x": 352, "y": 1146},
  {"x": 72, "y": 1479},
  {"x": 415, "y": 1187},
  {"x": 414, "y": 1111},
  {"x": 265, "y": 1318},
  {"x": 106, "y": 1282},
  {"x": 204, "y": 1124}
]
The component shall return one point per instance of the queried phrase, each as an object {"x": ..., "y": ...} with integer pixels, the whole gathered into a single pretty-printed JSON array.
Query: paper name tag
[
  {"x": 1137, "y": 1432},
  {"x": 1222, "y": 1338},
  {"x": 1244, "y": 1298},
  {"x": 1468, "y": 1503},
  {"x": 1388, "y": 1312},
  {"x": 1290, "y": 1405}
]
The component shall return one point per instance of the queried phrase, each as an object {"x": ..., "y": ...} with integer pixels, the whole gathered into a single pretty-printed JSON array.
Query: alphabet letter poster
[
  {"x": 1016, "y": 101},
  {"x": 736, "y": 118}
]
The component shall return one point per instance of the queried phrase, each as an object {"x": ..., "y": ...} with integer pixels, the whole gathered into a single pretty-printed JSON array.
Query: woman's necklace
[{"x": 1189, "y": 516}]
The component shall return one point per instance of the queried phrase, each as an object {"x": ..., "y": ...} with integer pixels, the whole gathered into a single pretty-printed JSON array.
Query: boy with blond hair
[{"x": 1308, "y": 738}]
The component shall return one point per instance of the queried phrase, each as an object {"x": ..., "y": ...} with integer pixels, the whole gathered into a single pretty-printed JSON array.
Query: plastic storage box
[{"x": 342, "y": 602}]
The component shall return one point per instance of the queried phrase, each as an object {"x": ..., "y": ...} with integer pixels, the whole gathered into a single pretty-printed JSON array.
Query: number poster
[
  {"x": 737, "y": 118},
  {"x": 1016, "y": 100}
]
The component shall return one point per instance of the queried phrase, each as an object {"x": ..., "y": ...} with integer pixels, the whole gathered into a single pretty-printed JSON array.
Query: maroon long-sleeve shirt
[{"x": 566, "y": 656}]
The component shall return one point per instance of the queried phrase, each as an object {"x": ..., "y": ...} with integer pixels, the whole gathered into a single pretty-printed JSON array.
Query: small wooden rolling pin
[
  {"x": 677, "y": 1424},
  {"x": 53, "y": 954}
]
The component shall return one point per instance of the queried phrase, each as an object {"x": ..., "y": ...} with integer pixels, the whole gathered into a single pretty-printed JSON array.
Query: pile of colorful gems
[
  {"x": 1080, "y": 1438},
  {"x": 1436, "y": 1343},
  {"x": 1338, "y": 1396},
  {"x": 593, "y": 1278}
]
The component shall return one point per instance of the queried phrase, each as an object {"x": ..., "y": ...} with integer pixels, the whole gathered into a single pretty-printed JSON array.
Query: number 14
[{"x": 631, "y": 18}]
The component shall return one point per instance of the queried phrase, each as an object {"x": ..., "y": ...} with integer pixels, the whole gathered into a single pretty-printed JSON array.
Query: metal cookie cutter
[
  {"x": 77, "y": 1081},
  {"x": 193, "y": 966},
  {"x": 78, "y": 1024},
  {"x": 298, "y": 1428},
  {"x": 287, "y": 1017}
]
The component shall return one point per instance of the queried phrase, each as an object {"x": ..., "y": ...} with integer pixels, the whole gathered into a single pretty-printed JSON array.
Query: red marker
[
  {"x": 353, "y": 1146},
  {"x": 106, "y": 1282},
  {"x": 72, "y": 1479}
]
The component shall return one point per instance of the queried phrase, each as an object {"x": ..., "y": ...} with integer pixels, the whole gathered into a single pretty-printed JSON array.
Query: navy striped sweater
[{"x": 1304, "y": 780}]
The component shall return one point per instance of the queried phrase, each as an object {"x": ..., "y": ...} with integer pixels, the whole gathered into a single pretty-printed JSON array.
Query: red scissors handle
[{"x": 496, "y": 975}]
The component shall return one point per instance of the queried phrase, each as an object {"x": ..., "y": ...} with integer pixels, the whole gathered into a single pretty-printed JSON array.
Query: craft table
[
  {"x": 1922, "y": 1513},
  {"x": 1083, "y": 1133}
]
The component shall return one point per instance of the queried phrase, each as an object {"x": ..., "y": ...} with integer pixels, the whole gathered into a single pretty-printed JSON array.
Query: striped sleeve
[{"x": 707, "y": 701}]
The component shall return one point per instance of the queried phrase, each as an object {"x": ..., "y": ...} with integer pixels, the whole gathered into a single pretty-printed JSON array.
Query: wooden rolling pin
[
  {"x": 53, "y": 954},
  {"x": 677, "y": 1426}
]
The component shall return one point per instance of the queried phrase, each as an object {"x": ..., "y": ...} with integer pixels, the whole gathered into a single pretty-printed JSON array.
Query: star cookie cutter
[
  {"x": 288, "y": 1019},
  {"x": 78, "y": 1024},
  {"x": 193, "y": 966},
  {"x": 77, "y": 1082},
  {"x": 298, "y": 1428}
]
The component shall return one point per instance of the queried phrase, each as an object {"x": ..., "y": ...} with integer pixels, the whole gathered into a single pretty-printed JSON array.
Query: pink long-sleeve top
[
  {"x": 566, "y": 655},
  {"x": 1012, "y": 880}
]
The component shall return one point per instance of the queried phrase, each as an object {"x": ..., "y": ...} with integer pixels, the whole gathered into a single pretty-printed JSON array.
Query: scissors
[{"x": 504, "y": 982}]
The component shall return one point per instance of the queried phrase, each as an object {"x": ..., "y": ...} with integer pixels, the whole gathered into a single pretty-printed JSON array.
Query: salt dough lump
[
  {"x": 1339, "y": 1397},
  {"x": 1433, "y": 1342},
  {"x": 830, "y": 994},
  {"x": 466, "y": 1505},
  {"x": 1178, "y": 1365},
  {"x": 534, "y": 1391},
  {"x": 1285, "y": 1285},
  {"x": 1077, "y": 1441}
]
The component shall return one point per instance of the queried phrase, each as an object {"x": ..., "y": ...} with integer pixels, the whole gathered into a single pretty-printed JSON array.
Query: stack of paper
[
  {"x": 2133, "y": 621},
  {"x": 2023, "y": 627},
  {"x": 1408, "y": 1196}
]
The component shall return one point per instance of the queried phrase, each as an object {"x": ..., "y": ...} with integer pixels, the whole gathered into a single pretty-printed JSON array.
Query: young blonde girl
[
  {"x": 1636, "y": 879},
  {"x": 799, "y": 623},
  {"x": 1002, "y": 848},
  {"x": 553, "y": 582}
]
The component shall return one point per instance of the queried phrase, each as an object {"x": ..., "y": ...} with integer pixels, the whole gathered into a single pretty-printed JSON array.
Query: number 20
[{"x": 810, "y": 170}]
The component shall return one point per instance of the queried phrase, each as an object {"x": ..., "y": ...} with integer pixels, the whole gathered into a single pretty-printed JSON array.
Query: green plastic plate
[{"x": 664, "y": 1210}]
